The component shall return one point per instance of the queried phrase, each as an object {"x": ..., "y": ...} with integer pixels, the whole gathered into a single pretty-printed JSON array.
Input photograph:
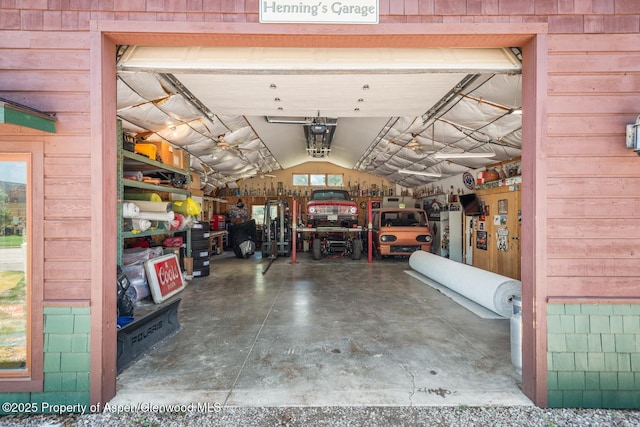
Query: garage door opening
[{"x": 258, "y": 283}]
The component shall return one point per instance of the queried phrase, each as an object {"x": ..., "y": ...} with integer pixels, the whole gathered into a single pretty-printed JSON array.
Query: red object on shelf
[
  {"x": 141, "y": 244},
  {"x": 217, "y": 222}
]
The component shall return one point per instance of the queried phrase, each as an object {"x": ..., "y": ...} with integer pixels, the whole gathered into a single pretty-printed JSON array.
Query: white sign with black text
[{"x": 319, "y": 12}]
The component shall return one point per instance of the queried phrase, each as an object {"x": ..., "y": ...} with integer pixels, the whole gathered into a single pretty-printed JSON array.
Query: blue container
[{"x": 124, "y": 321}]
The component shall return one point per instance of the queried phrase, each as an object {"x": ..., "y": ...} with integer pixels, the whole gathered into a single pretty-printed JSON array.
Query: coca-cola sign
[{"x": 164, "y": 276}]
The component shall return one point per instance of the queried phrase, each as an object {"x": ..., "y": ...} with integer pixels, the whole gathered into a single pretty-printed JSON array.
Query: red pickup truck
[{"x": 329, "y": 207}]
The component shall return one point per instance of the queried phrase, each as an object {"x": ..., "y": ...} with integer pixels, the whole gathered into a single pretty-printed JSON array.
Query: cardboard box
[
  {"x": 188, "y": 265},
  {"x": 195, "y": 181},
  {"x": 170, "y": 155},
  {"x": 186, "y": 160}
]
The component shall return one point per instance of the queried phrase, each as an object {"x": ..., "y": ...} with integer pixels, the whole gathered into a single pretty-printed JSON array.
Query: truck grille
[{"x": 332, "y": 210}]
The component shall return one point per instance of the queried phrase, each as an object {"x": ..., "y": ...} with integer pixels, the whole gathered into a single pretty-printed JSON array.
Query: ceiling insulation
[{"x": 393, "y": 108}]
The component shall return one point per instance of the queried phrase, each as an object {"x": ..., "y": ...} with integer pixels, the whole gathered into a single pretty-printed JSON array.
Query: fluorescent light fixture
[
  {"x": 410, "y": 172},
  {"x": 465, "y": 155},
  {"x": 517, "y": 111}
]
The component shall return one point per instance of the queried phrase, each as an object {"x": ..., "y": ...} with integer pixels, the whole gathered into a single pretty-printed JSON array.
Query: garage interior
[{"x": 301, "y": 334}]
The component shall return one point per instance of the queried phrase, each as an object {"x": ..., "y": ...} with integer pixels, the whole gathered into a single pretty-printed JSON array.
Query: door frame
[{"x": 106, "y": 35}]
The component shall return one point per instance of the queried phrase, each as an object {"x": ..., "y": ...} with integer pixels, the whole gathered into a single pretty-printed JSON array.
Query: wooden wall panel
[
  {"x": 50, "y": 101},
  {"x": 73, "y": 124},
  {"x": 67, "y": 270},
  {"x": 67, "y": 250},
  {"x": 593, "y": 267},
  {"x": 625, "y": 166},
  {"x": 594, "y": 228},
  {"x": 39, "y": 81},
  {"x": 67, "y": 229},
  {"x": 49, "y": 39},
  {"x": 587, "y": 145},
  {"x": 593, "y": 181},
  {"x": 46, "y": 59},
  {"x": 67, "y": 208},
  {"x": 68, "y": 144},
  {"x": 589, "y": 124},
  {"x": 49, "y": 71},
  {"x": 603, "y": 103},
  {"x": 594, "y": 83},
  {"x": 593, "y": 287},
  {"x": 595, "y": 62},
  {"x": 581, "y": 43},
  {"x": 68, "y": 187},
  {"x": 76, "y": 166},
  {"x": 576, "y": 206},
  {"x": 584, "y": 248},
  {"x": 67, "y": 290},
  {"x": 594, "y": 186}
]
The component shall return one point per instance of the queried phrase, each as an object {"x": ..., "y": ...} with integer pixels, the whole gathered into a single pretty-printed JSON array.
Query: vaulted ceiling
[{"x": 242, "y": 112}]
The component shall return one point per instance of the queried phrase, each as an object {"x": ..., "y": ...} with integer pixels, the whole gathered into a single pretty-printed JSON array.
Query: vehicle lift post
[
  {"x": 294, "y": 232},
  {"x": 279, "y": 242}
]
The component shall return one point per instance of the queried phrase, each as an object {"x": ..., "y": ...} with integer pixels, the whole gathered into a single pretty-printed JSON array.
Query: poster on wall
[
  {"x": 481, "y": 240},
  {"x": 502, "y": 242},
  {"x": 433, "y": 208}
]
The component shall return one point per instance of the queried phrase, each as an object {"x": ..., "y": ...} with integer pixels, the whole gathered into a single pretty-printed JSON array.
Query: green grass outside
[
  {"x": 13, "y": 320},
  {"x": 9, "y": 241}
]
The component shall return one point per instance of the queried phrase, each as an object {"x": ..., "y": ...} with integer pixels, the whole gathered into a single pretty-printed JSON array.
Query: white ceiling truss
[{"x": 244, "y": 112}]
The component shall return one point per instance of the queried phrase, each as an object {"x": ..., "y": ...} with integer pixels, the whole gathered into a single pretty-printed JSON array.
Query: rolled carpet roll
[
  {"x": 152, "y": 197},
  {"x": 130, "y": 210},
  {"x": 492, "y": 291},
  {"x": 141, "y": 224},
  {"x": 138, "y": 291},
  {"x": 157, "y": 216},
  {"x": 152, "y": 206},
  {"x": 135, "y": 175}
]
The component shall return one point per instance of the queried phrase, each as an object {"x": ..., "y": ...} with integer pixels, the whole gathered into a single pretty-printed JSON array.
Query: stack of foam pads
[{"x": 200, "y": 245}]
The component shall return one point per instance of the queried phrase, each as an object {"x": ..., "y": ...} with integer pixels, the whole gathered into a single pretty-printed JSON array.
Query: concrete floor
[{"x": 334, "y": 332}]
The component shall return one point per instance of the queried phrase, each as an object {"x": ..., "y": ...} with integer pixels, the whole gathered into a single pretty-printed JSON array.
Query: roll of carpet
[
  {"x": 492, "y": 291},
  {"x": 130, "y": 210},
  {"x": 141, "y": 224},
  {"x": 135, "y": 175},
  {"x": 138, "y": 291},
  {"x": 157, "y": 216},
  {"x": 152, "y": 197},
  {"x": 149, "y": 206}
]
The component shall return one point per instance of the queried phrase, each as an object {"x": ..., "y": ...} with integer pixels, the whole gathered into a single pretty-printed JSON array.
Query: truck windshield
[{"x": 330, "y": 195}]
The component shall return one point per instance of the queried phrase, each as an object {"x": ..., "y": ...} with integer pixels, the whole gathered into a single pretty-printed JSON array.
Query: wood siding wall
[
  {"x": 593, "y": 182},
  {"x": 49, "y": 71}
]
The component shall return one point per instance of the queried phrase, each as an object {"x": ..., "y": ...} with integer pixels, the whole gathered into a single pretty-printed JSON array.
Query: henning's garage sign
[{"x": 319, "y": 11}]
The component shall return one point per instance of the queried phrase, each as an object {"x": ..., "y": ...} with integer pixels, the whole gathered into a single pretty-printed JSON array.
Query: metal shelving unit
[{"x": 128, "y": 159}]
